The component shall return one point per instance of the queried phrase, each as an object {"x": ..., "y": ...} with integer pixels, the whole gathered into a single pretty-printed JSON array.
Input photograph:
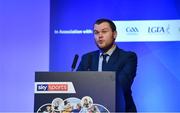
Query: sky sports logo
[{"x": 54, "y": 87}]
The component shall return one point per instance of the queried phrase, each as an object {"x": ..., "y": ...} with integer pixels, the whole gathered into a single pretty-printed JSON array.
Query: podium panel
[{"x": 75, "y": 92}]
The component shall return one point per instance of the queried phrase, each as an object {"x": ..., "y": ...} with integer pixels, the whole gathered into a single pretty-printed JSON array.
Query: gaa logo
[{"x": 132, "y": 30}]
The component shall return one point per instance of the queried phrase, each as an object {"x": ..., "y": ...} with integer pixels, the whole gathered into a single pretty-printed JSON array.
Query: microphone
[{"x": 74, "y": 62}]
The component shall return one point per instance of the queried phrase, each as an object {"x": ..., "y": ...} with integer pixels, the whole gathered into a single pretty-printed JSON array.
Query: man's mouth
[{"x": 100, "y": 41}]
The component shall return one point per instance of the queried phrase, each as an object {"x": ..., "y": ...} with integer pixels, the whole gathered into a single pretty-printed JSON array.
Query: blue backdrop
[
  {"x": 156, "y": 86},
  {"x": 24, "y": 49}
]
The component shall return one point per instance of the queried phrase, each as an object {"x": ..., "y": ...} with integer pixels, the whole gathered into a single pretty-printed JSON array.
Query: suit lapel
[
  {"x": 113, "y": 59},
  {"x": 95, "y": 61}
]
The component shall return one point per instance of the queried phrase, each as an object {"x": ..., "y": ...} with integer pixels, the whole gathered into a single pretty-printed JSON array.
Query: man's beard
[{"x": 105, "y": 49}]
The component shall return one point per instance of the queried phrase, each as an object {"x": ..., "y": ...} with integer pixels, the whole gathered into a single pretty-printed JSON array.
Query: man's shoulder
[
  {"x": 91, "y": 53},
  {"x": 125, "y": 52}
]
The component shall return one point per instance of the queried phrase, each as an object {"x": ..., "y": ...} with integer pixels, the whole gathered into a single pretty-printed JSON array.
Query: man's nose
[{"x": 100, "y": 35}]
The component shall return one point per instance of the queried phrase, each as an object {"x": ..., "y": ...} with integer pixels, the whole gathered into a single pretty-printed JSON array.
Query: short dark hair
[{"x": 111, "y": 23}]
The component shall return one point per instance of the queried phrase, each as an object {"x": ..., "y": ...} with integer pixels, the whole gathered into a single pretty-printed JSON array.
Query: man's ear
[{"x": 115, "y": 34}]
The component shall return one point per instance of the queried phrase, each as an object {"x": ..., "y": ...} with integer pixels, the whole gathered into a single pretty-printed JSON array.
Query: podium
[{"x": 85, "y": 91}]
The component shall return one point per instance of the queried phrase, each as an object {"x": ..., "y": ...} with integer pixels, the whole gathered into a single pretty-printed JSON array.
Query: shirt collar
[{"x": 110, "y": 51}]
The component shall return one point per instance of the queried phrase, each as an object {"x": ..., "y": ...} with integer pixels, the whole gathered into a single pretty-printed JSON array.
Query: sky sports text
[{"x": 52, "y": 87}]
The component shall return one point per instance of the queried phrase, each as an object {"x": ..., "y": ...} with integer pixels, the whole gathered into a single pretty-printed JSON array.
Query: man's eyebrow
[
  {"x": 101, "y": 29},
  {"x": 105, "y": 29}
]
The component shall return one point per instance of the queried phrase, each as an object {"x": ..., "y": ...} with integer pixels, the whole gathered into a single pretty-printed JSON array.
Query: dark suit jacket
[{"x": 123, "y": 63}]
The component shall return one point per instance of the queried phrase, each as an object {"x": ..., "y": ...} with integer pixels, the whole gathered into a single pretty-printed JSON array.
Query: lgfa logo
[{"x": 158, "y": 29}]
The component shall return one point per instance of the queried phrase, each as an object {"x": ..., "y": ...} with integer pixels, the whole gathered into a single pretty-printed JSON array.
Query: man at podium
[{"x": 111, "y": 58}]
